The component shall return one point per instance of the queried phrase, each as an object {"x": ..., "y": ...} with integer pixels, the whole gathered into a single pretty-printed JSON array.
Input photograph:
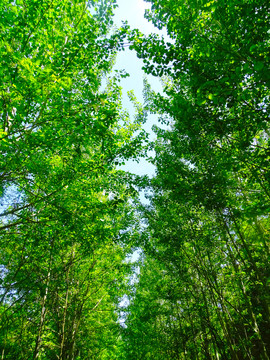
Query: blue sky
[{"x": 132, "y": 11}]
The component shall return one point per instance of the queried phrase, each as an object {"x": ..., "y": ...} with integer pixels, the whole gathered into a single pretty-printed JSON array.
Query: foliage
[
  {"x": 70, "y": 217},
  {"x": 208, "y": 222},
  {"x": 65, "y": 205}
]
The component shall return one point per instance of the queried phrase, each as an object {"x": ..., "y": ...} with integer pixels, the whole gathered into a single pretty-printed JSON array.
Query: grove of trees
[{"x": 70, "y": 216}]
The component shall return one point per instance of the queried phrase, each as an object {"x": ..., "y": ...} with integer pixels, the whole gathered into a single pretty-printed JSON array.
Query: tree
[
  {"x": 208, "y": 220},
  {"x": 62, "y": 238}
]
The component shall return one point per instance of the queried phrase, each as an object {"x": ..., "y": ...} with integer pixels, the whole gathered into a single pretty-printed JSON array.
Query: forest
[{"x": 71, "y": 217}]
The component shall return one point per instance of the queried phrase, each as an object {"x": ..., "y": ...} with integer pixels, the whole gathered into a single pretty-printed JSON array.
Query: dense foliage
[
  {"x": 69, "y": 215},
  {"x": 204, "y": 284},
  {"x": 63, "y": 201}
]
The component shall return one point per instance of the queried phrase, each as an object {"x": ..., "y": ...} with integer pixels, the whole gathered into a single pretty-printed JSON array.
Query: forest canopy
[{"x": 70, "y": 217}]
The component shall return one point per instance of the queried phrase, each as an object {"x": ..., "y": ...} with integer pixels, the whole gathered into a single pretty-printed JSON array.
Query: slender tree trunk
[
  {"x": 64, "y": 341},
  {"x": 42, "y": 318}
]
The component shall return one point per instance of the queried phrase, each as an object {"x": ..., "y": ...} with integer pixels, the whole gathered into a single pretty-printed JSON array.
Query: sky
[{"x": 132, "y": 11}]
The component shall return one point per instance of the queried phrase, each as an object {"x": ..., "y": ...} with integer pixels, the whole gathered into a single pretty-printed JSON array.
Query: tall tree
[
  {"x": 208, "y": 222},
  {"x": 65, "y": 206}
]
